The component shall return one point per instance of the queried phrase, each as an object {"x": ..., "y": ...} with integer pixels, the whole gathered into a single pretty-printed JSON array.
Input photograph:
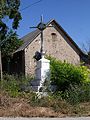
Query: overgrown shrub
[
  {"x": 86, "y": 73},
  {"x": 64, "y": 74}
]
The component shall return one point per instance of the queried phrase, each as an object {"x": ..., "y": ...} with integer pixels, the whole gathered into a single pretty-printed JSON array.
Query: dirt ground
[
  {"x": 18, "y": 107},
  {"x": 21, "y": 108}
]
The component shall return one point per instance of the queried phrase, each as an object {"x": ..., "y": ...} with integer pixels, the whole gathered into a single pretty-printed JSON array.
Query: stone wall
[{"x": 56, "y": 44}]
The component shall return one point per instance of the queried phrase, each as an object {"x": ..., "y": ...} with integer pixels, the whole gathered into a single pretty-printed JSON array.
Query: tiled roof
[{"x": 28, "y": 39}]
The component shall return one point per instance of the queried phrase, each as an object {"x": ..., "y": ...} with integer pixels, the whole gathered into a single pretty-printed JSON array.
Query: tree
[
  {"x": 10, "y": 9},
  {"x": 12, "y": 43},
  {"x": 9, "y": 47},
  {"x": 86, "y": 49}
]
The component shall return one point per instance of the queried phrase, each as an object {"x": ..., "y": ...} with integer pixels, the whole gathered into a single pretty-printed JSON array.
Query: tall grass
[
  {"x": 14, "y": 84},
  {"x": 77, "y": 94}
]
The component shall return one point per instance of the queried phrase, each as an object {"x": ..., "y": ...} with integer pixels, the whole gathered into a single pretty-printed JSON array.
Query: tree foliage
[
  {"x": 11, "y": 44},
  {"x": 10, "y": 9}
]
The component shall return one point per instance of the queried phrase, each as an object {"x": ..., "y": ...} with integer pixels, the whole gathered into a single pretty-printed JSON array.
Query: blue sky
[{"x": 72, "y": 15}]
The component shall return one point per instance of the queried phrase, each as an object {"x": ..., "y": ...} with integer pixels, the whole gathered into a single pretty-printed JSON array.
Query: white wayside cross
[{"x": 42, "y": 72}]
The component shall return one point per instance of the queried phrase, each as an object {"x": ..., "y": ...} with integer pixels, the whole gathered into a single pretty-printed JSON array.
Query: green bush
[
  {"x": 86, "y": 73},
  {"x": 64, "y": 74}
]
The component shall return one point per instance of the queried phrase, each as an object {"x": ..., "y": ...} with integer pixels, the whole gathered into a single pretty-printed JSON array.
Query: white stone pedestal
[{"x": 42, "y": 73}]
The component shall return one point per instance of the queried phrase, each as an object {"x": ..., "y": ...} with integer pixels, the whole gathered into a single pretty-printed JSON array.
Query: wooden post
[
  {"x": 1, "y": 76},
  {"x": 1, "y": 43}
]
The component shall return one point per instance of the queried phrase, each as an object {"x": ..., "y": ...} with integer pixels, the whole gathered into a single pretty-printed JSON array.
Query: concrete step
[
  {"x": 36, "y": 82},
  {"x": 35, "y": 88}
]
